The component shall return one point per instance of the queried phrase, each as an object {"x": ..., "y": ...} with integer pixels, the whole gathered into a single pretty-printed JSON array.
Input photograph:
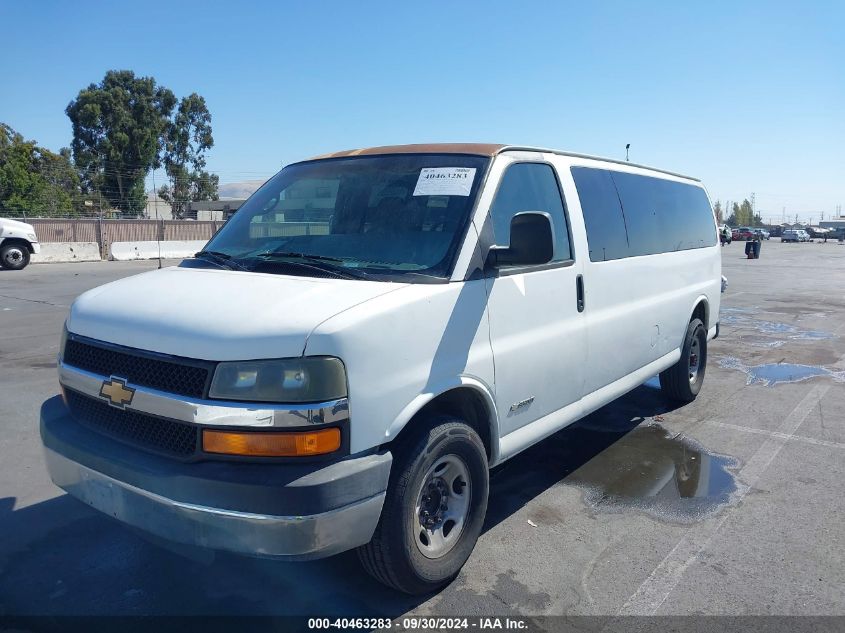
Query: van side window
[
  {"x": 628, "y": 215},
  {"x": 530, "y": 187},
  {"x": 664, "y": 215},
  {"x": 606, "y": 235}
]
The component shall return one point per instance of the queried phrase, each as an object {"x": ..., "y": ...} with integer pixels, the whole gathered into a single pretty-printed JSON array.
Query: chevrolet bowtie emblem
[{"x": 116, "y": 392}]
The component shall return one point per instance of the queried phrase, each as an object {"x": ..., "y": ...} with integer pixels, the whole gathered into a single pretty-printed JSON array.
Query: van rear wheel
[
  {"x": 683, "y": 380},
  {"x": 434, "y": 509}
]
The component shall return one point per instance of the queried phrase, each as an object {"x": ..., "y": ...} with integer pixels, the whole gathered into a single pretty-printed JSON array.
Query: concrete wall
[
  {"x": 54, "y": 252},
  {"x": 125, "y": 251}
]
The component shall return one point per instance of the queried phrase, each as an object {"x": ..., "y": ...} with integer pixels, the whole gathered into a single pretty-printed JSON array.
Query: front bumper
[
  {"x": 36, "y": 247},
  {"x": 292, "y": 511}
]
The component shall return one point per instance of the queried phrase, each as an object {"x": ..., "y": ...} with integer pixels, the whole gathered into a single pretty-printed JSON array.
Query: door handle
[{"x": 579, "y": 292}]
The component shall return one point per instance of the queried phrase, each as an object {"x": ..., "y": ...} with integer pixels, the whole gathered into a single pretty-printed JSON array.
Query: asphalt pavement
[{"x": 733, "y": 504}]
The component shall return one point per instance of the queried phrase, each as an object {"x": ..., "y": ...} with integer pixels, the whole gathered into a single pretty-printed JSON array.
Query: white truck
[
  {"x": 17, "y": 242},
  {"x": 367, "y": 336}
]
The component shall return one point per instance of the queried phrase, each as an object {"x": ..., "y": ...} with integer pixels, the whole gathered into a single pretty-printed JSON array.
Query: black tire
[
  {"x": 677, "y": 382},
  {"x": 14, "y": 256},
  {"x": 393, "y": 556}
]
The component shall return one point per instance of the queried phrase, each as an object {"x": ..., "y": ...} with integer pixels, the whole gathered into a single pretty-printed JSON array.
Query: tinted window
[
  {"x": 530, "y": 187},
  {"x": 628, "y": 214},
  {"x": 606, "y": 236},
  {"x": 664, "y": 215}
]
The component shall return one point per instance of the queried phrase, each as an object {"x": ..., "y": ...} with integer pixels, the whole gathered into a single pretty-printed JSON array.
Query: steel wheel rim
[
  {"x": 694, "y": 359},
  {"x": 13, "y": 256},
  {"x": 442, "y": 506}
]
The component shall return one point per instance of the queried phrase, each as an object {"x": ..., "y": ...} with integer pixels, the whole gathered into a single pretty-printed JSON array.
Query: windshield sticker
[{"x": 445, "y": 181}]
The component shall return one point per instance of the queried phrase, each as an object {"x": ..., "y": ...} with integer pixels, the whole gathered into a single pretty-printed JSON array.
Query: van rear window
[
  {"x": 664, "y": 215},
  {"x": 657, "y": 215}
]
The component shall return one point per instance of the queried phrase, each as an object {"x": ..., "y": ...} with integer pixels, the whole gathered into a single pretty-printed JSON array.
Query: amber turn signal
[{"x": 271, "y": 444}]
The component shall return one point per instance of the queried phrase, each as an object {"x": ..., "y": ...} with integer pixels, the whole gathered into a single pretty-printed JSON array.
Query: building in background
[
  {"x": 212, "y": 209},
  {"x": 156, "y": 208},
  {"x": 833, "y": 223}
]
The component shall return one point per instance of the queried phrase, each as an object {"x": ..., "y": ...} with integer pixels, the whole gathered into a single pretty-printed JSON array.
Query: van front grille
[
  {"x": 132, "y": 427},
  {"x": 138, "y": 369}
]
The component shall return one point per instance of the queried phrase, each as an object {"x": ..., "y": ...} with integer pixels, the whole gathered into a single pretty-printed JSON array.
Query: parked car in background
[
  {"x": 743, "y": 233},
  {"x": 17, "y": 242},
  {"x": 819, "y": 232},
  {"x": 791, "y": 235},
  {"x": 804, "y": 236},
  {"x": 763, "y": 233},
  {"x": 725, "y": 234}
]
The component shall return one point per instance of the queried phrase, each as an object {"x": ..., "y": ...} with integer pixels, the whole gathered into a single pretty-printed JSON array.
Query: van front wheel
[
  {"x": 434, "y": 508},
  {"x": 683, "y": 380}
]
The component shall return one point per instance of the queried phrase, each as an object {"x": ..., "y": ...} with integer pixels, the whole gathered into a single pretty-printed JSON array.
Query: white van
[
  {"x": 367, "y": 336},
  {"x": 17, "y": 242}
]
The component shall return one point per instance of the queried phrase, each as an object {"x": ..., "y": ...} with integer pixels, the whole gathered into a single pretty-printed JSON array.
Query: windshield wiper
[
  {"x": 296, "y": 255},
  {"x": 221, "y": 259},
  {"x": 320, "y": 263}
]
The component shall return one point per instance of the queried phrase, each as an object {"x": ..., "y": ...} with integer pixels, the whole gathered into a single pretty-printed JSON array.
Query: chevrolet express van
[{"x": 372, "y": 331}]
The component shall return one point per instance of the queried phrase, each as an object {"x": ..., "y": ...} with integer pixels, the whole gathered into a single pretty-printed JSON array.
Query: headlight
[
  {"x": 314, "y": 379},
  {"x": 63, "y": 342},
  {"x": 31, "y": 237}
]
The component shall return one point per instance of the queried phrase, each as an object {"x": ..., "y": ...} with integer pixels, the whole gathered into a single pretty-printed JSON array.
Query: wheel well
[
  {"x": 701, "y": 312},
  {"x": 462, "y": 402},
  {"x": 19, "y": 241}
]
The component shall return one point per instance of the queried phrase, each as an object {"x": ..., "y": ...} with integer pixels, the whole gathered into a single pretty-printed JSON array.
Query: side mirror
[{"x": 532, "y": 242}]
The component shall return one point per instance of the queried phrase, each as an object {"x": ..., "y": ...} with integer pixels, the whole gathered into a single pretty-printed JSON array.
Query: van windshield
[{"x": 392, "y": 218}]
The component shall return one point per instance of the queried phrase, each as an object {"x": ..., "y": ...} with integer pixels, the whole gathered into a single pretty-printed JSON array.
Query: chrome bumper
[{"x": 287, "y": 537}]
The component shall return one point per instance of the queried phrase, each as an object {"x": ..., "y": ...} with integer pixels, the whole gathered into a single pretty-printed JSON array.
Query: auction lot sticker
[{"x": 445, "y": 181}]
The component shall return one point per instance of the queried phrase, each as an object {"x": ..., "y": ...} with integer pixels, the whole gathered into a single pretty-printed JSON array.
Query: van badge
[
  {"x": 116, "y": 392},
  {"x": 521, "y": 404}
]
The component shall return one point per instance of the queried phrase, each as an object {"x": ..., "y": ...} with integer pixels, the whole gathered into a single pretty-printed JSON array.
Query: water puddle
[
  {"x": 744, "y": 319},
  {"x": 671, "y": 478},
  {"x": 772, "y": 374}
]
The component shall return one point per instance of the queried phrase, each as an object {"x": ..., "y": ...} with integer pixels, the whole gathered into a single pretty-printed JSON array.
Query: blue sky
[{"x": 748, "y": 96}]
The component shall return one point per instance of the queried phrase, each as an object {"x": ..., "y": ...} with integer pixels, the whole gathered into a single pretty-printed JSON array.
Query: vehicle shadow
[{"x": 59, "y": 557}]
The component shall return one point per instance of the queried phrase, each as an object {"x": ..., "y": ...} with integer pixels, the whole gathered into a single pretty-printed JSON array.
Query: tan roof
[{"x": 481, "y": 149}]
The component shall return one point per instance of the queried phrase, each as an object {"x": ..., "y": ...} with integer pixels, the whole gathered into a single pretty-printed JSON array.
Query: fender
[
  {"x": 421, "y": 400},
  {"x": 699, "y": 300},
  {"x": 712, "y": 328}
]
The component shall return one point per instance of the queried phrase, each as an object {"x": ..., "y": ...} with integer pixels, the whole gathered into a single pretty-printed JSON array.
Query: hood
[
  {"x": 15, "y": 224},
  {"x": 214, "y": 314}
]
